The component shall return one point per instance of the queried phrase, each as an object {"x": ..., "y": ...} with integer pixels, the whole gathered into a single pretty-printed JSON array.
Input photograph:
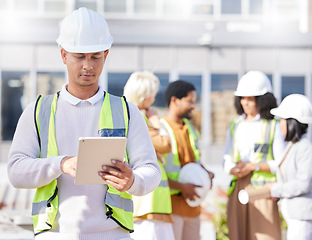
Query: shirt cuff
[
  {"x": 56, "y": 164},
  {"x": 135, "y": 186}
]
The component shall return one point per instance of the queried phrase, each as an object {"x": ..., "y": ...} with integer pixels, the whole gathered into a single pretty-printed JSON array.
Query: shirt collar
[
  {"x": 256, "y": 118},
  {"x": 74, "y": 100}
]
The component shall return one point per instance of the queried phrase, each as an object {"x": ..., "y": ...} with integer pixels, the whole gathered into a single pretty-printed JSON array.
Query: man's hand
[
  {"x": 188, "y": 191},
  {"x": 120, "y": 177},
  {"x": 68, "y": 166}
]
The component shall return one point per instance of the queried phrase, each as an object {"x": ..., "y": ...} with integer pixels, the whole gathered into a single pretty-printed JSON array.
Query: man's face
[
  {"x": 186, "y": 105},
  {"x": 84, "y": 69}
]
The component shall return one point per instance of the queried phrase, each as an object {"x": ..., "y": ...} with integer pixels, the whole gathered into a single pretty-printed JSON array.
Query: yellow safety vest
[
  {"x": 171, "y": 160},
  {"x": 113, "y": 122},
  {"x": 158, "y": 201},
  {"x": 263, "y": 150}
]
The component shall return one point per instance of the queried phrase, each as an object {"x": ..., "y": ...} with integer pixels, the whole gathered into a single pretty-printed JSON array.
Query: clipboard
[{"x": 93, "y": 153}]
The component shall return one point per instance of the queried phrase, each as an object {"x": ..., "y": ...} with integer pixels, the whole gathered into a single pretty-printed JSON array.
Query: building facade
[{"x": 210, "y": 43}]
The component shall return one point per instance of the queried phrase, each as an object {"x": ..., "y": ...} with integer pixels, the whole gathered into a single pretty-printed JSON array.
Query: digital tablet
[{"x": 93, "y": 153}]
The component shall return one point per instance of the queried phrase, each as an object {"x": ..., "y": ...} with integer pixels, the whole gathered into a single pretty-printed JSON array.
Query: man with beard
[{"x": 181, "y": 97}]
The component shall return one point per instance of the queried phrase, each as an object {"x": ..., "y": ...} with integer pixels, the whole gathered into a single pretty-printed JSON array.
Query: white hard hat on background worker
[
  {"x": 84, "y": 31},
  {"x": 295, "y": 106},
  {"x": 253, "y": 83}
]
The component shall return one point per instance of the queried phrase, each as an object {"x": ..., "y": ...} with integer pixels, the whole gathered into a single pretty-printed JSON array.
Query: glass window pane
[
  {"x": 175, "y": 7},
  {"x": 49, "y": 82},
  {"x": 12, "y": 98},
  {"x": 196, "y": 80},
  {"x": 116, "y": 83},
  {"x": 145, "y": 6},
  {"x": 292, "y": 84},
  {"x": 3, "y": 4},
  {"x": 115, "y": 6},
  {"x": 163, "y": 84},
  {"x": 52, "y": 6},
  {"x": 230, "y": 6},
  {"x": 202, "y": 9},
  {"x": 222, "y": 105},
  {"x": 88, "y": 4},
  {"x": 29, "y": 5},
  {"x": 220, "y": 82},
  {"x": 255, "y": 6}
]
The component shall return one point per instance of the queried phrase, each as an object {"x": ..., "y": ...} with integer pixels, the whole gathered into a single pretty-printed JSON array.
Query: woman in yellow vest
[
  {"x": 254, "y": 144},
  {"x": 152, "y": 212}
]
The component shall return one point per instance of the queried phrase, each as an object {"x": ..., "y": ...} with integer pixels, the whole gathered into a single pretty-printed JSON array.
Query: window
[
  {"x": 55, "y": 6},
  {"x": 145, "y": 6},
  {"x": 49, "y": 82},
  {"x": 163, "y": 84},
  {"x": 220, "y": 82},
  {"x": 115, "y": 6},
  {"x": 29, "y": 5},
  {"x": 292, "y": 84},
  {"x": 230, "y": 6},
  {"x": 3, "y": 4},
  {"x": 196, "y": 80},
  {"x": 116, "y": 83},
  {"x": 12, "y": 101},
  {"x": 91, "y": 4},
  {"x": 255, "y": 6},
  {"x": 222, "y": 105}
]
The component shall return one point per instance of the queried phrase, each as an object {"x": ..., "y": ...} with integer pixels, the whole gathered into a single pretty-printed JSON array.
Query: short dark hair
[
  {"x": 295, "y": 130},
  {"x": 178, "y": 89},
  {"x": 264, "y": 104}
]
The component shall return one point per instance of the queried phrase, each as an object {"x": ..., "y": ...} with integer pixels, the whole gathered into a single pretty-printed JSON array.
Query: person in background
[
  {"x": 181, "y": 96},
  {"x": 294, "y": 175},
  {"x": 43, "y": 154},
  {"x": 152, "y": 212},
  {"x": 254, "y": 146}
]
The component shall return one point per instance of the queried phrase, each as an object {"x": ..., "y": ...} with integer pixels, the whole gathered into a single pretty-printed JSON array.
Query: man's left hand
[{"x": 120, "y": 177}]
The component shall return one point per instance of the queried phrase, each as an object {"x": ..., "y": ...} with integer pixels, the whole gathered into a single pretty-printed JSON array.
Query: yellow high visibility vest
[
  {"x": 171, "y": 160},
  {"x": 158, "y": 201},
  {"x": 113, "y": 122},
  {"x": 263, "y": 150}
]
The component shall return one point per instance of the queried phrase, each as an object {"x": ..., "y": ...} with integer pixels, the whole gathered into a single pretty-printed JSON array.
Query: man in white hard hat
[
  {"x": 44, "y": 148},
  {"x": 180, "y": 96}
]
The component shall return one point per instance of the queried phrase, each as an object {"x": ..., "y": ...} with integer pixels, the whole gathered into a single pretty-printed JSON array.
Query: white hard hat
[
  {"x": 295, "y": 106},
  {"x": 84, "y": 31},
  {"x": 253, "y": 83},
  {"x": 195, "y": 174}
]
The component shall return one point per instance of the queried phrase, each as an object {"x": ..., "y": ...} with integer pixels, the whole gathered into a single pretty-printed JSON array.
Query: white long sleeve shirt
[
  {"x": 81, "y": 207},
  {"x": 247, "y": 134}
]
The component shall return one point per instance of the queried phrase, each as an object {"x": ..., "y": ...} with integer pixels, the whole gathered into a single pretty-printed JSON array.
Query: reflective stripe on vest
[
  {"x": 119, "y": 205},
  {"x": 263, "y": 152},
  {"x": 171, "y": 160}
]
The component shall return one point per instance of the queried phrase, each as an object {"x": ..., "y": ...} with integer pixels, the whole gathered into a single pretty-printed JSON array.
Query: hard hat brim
[
  {"x": 251, "y": 94},
  {"x": 87, "y": 49},
  {"x": 284, "y": 114}
]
